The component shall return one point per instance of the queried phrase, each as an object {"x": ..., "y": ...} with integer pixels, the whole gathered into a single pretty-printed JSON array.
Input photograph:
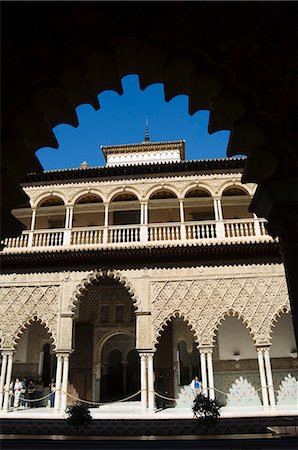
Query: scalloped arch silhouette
[
  {"x": 34, "y": 319},
  {"x": 233, "y": 313},
  {"x": 169, "y": 318},
  {"x": 82, "y": 287},
  {"x": 285, "y": 309}
]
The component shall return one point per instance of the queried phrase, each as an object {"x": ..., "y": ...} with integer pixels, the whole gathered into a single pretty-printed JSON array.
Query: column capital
[
  {"x": 205, "y": 350},
  {"x": 7, "y": 352},
  {"x": 262, "y": 348}
]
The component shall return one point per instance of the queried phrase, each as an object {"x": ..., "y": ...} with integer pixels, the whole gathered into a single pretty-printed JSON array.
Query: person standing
[
  {"x": 52, "y": 391},
  {"x": 17, "y": 392},
  {"x": 31, "y": 393},
  {"x": 196, "y": 386},
  {"x": 23, "y": 393},
  {"x": 159, "y": 389}
]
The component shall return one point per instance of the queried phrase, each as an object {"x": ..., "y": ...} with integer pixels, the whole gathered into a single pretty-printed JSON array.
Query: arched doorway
[
  {"x": 35, "y": 360},
  {"x": 176, "y": 358},
  {"x": 104, "y": 332},
  {"x": 119, "y": 361},
  {"x": 235, "y": 358}
]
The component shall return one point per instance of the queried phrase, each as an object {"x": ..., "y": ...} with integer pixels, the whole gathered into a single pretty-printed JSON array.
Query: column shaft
[
  {"x": 210, "y": 376},
  {"x": 269, "y": 377},
  {"x": 204, "y": 372},
  {"x": 150, "y": 383},
  {"x": 262, "y": 378},
  {"x": 7, "y": 383},
  {"x": 64, "y": 382},
  {"x": 143, "y": 383},
  {"x": 215, "y": 209},
  {"x": 2, "y": 378},
  {"x": 58, "y": 383},
  {"x": 219, "y": 208}
]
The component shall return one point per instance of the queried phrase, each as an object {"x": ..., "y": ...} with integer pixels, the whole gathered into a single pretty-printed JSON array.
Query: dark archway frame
[{"x": 236, "y": 61}]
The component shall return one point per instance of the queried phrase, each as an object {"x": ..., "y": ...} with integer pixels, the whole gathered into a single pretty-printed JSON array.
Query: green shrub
[
  {"x": 79, "y": 416},
  {"x": 207, "y": 411}
]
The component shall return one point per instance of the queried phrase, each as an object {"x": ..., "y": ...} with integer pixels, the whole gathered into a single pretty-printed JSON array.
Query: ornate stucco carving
[
  {"x": 19, "y": 305},
  {"x": 204, "y": 303}
]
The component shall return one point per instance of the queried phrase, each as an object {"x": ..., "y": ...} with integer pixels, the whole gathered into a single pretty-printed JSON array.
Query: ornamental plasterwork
[
  {"x": 204, "y": 303},
  {"x": 142, "y": 186},
  {"x": 19, "y": 305}
]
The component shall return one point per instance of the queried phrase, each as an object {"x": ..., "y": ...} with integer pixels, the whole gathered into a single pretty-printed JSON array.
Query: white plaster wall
[
  {"x": 234, "y": 337},
  {"x": 283, "y": 338}
]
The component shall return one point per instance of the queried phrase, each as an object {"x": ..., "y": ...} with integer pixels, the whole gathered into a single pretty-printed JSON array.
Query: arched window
[
  {"x": 124, "y": 209},
  {"x": 163, "y": 207},
  {"x": 88, "y": 211},
  {"x": 50, "y": 213},
  {"x": 235, "y": 202},
  {"x": 198, "y": 205}
]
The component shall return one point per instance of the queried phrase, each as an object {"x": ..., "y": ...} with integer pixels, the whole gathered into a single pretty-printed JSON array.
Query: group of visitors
[{"x": 28, "y": 394}]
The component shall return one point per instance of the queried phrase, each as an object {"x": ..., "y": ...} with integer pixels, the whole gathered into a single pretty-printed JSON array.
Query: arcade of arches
[{"x": 108, "y": 336}]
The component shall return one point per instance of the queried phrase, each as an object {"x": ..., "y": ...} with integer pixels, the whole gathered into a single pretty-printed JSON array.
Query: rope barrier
[
  {"x": 100, "y": 404},
  {"x": 32, "y": 400}
]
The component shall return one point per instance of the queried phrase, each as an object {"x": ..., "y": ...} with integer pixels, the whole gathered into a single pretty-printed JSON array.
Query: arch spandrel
[
  {"x": 160, "y": 327},
  {"x": 20, "y": 305},
  {"x": 206, "y": 301}
]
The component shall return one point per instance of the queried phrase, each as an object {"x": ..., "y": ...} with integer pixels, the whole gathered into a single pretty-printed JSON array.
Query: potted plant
[
  {"x": 206, "y": 411},
  {"x": 79, "y": 416}
]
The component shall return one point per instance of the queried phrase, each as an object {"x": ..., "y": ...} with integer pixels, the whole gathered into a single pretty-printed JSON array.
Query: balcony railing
[{"x": 238, "y": 230}]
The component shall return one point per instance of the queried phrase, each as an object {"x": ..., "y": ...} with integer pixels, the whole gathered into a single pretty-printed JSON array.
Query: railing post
[{"x": 220, "y": 229}]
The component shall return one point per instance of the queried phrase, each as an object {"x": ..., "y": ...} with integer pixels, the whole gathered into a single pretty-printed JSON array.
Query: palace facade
[{"x": 151, "y": 265}]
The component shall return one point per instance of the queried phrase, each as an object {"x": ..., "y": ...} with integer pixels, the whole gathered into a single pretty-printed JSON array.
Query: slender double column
[
  {"x": 266, "y": 376},
  {"x": 207, "y": 372},
  {"x": 144, "y": 222},
  {"x": 147, "y": 381},
  {"x": 106, "y": 223},
  {"x": 182, "y": 219},
  {"x": 62, "y": 371},
  {"x": 5, "y": 380}
]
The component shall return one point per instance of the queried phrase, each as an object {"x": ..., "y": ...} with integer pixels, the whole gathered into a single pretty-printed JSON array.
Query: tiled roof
[{"x": 100, "y": 172}]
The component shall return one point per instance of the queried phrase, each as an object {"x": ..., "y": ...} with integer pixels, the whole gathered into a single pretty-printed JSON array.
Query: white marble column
[
  {"x": 215, "y": 209},
  {"x": 262, "y": 377},
  {"x": 33, "y": 220},
  {"x": 143, "y": 382},
  {"x": 151, "y": 397},
  {"x": 7, "y": 381},
  {"x": 219, "y": 209},
  {"x": 2, "y": 377},
  {"x": 269, "y": 377},
  {"x": 204, "y": 372},
  {"x": 66, "y": 222},
  {"x": 40, "y": 363},
  {"x": 58, "y": 382},
  {"x": 210, "y": 375},
  {"x": 64, "y": 382},
  {"x": 106, "y": 223},
  {"x": 182, "y": 219},
  {"x": 143, "y": 224}
]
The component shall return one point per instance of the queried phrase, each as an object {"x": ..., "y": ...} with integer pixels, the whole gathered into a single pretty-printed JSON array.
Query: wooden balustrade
[{"x": 201, "y": 231}]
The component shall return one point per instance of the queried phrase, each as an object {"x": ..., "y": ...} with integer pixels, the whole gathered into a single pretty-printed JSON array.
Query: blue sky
[{"x": 121, "y": 120}]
